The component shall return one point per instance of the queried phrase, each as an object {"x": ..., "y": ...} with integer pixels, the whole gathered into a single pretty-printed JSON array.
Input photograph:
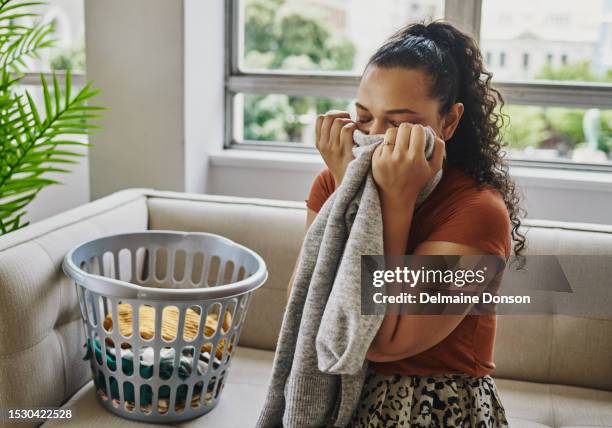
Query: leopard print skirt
[{"x": 453, "y": 400}]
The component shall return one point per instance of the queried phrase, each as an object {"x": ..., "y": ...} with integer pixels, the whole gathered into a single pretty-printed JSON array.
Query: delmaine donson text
[{"x": 403, "y": 276}]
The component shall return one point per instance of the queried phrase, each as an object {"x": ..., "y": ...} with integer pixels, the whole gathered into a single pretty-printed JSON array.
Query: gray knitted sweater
[{"x": 319, "y": 366}]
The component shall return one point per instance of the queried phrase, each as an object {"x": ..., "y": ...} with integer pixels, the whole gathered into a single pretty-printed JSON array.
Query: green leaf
[
  {"x": 26, "y": 183},
  {"x": 30, "y": 147},
  {"x": 45, "y": 169},
  {"x": 56, "y": 92},
  {"x": 16, "y": 204},
  {"x": 62, "y": 143},
  {"x": 34, "y": 110},
  {"x": 16, "y": 16},
  {"x": 68, "y": 84},
  {"x": 47, "y": 98},
  {"x": 4, "y": 8},
  {"x": 15, "y": 223}
]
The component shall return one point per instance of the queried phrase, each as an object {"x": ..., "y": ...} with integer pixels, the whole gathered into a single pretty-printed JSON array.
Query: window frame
[
  {"x": 33, "y": 79},
  {"x": 466, "y": 14}
]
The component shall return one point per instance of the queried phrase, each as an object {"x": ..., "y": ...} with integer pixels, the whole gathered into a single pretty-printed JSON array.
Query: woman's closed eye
[{"x": 393, "y": 123}]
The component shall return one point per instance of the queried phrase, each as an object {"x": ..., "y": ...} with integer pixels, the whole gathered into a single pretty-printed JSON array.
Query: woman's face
[{"x": 389, "y": 96}]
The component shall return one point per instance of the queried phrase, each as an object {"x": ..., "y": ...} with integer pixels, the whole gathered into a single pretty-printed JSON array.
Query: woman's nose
[{"x": 379, "y": 127}]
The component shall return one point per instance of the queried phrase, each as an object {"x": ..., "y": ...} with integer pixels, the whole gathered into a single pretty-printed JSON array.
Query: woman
[{"x": 429, "y": 370}]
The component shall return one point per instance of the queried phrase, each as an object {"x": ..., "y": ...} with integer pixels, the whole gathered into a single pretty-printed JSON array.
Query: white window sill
[
  {"x": 563, "y": 178},
  {"x": 264, "y": 159},
  {"x": 304, "y": 162}
]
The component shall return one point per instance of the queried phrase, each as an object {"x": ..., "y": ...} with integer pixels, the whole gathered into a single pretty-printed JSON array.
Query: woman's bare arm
[
  {"x": 402, "y": 336},
  {"x": 310, "y": 216}
]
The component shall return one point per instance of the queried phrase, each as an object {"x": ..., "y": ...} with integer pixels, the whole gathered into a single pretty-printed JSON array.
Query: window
[
  {"x": 290, "y": 60},
  {"x": 564, "y": 113},
  {"x": 280, "y": 118},
  {"x": 68, "y": 50},
  {"x": 294, "y": 59},
  {"x": 69, "y": 34},
  {"x": 318, "y": 35}
]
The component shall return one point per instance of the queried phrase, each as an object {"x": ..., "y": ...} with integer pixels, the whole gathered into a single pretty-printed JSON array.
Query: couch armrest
[{"x": 41, "y": 336}]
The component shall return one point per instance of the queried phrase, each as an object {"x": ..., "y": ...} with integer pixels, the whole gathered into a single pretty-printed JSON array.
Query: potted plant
[{"x": 34, "y": 140}]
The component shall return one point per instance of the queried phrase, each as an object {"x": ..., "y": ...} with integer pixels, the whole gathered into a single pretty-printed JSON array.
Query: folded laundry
[
  {"x": 167, "y": 355},
  {"x": 169, "y": 326}
]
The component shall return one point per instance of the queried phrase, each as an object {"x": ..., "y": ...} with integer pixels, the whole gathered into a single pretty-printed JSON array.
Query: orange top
[{"x": 456, "y": 211}]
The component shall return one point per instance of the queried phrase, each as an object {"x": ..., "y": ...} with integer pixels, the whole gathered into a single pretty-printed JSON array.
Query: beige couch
[{"x": 552, "y": 370}]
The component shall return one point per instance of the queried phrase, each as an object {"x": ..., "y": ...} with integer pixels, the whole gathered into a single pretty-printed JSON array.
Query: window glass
[
  {"x": 548, "y": 39},
  {"x": 322, "y": 35},
  {"x": 69, "y": 48},
  {"x": 530, "y": 132},
  {"x": 559, "y": 134},
  {"x": 280, "y": 117}
]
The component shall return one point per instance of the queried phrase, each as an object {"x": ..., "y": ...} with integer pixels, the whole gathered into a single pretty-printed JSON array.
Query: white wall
[
  {"x": 159, "y": 64},
  {"x": 134, "y": 54},
  {"x": 55, "y": 199},
  {"x": 204, "y": 73}
]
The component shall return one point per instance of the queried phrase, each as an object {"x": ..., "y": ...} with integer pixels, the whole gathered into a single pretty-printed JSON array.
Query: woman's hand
[
  {"x": 400, "y": 168},
  {"x": 334, "y": 140}
]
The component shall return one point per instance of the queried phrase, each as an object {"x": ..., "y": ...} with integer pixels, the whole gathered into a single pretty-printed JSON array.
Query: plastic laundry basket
[{"x": 162, "y": 313}]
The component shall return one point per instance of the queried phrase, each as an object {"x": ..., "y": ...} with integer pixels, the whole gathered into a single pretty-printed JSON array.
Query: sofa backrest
[
  {"x": 564, "y": 349},
  {"x": 41, "y": 335},
  {"x": 571, "y": 350}
]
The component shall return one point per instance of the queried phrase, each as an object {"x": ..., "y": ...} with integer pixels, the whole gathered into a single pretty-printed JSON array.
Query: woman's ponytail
[{"x": 454, "y": 63}]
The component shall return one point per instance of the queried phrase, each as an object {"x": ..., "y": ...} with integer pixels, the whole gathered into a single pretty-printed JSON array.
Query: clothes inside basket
[
  {"x": 146, "y": 318},
  {"x": 169, "y": 324},
  {"x": 146, "y": 369}
]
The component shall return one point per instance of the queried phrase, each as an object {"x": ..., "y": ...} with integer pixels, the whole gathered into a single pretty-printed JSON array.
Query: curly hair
[{"x": 454, "y": 63}]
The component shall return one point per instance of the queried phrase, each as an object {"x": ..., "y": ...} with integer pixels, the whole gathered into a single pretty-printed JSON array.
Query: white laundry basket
[{"x": 162, "y": 313}]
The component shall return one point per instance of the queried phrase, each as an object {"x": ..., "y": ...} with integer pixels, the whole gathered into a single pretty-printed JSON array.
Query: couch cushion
[
  {"x": 554, "y": 405},
  {"x": 527, "y": 404},
  {"x": 572, "y": 347},
  {"x": 242, "y": 398}
]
